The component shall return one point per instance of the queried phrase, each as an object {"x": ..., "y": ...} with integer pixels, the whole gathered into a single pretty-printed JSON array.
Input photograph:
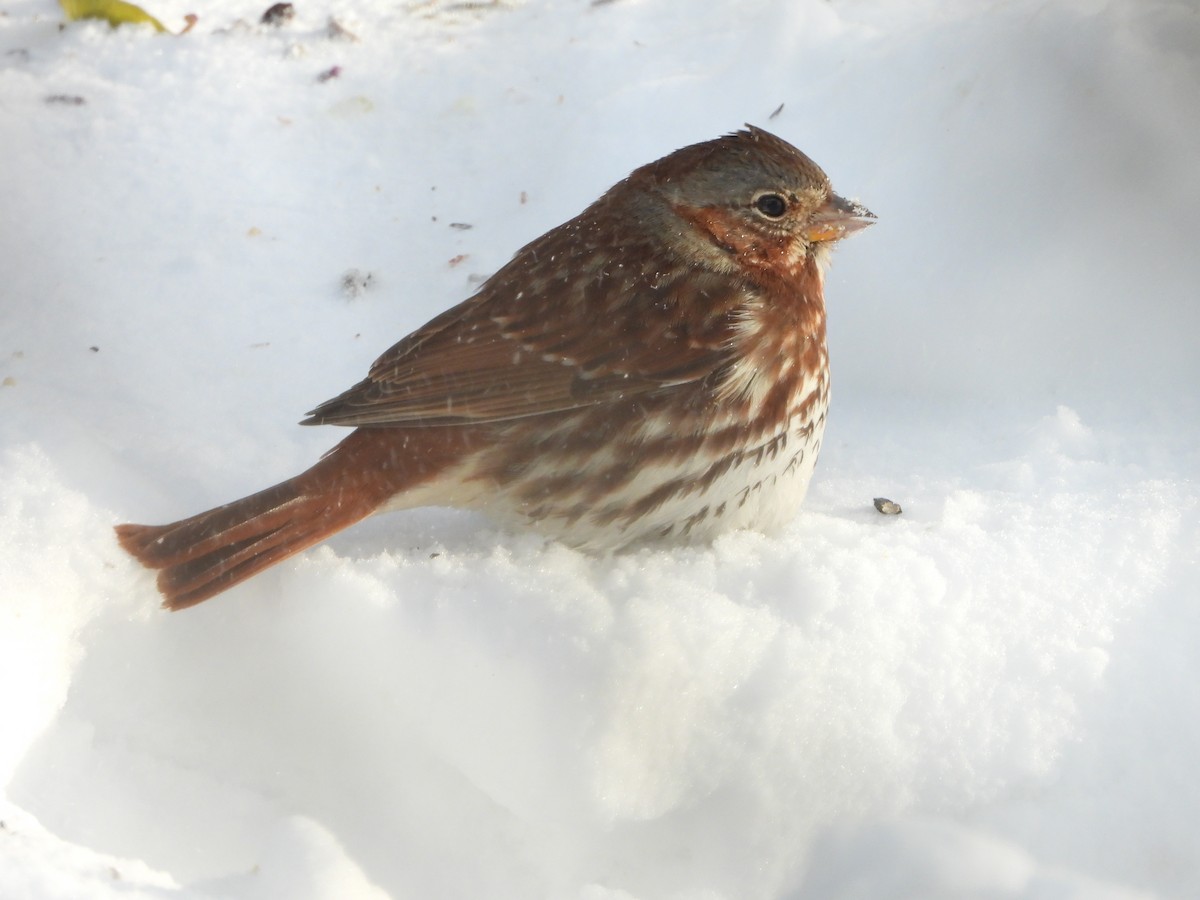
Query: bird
[{"x": 653, "y": 370}]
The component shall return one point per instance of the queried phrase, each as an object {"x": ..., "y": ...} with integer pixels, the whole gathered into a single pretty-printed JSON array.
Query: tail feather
[
  {"x": 205, "y": 554},
  {"x": 210, "y": 552}
]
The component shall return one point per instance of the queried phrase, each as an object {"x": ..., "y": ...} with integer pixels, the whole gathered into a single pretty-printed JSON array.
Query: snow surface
[{"x": 994, "y": 694}]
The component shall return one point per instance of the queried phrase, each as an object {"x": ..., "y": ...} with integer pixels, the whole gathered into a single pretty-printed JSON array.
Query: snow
[{"x": 993, "y": 694}]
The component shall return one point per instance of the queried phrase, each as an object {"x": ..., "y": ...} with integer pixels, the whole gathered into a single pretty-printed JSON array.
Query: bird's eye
[{"x": 770, "y": 205}]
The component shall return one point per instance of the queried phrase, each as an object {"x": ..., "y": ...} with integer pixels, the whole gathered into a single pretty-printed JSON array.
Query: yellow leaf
[{"x": 114, "y": 12}]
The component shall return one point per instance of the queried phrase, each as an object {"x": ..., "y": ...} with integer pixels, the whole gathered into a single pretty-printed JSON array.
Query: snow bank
[{"x": 992, "y": 694}]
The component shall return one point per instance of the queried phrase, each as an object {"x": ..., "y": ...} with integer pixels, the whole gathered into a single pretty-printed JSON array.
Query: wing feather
[{"x": 558, "y": 328}]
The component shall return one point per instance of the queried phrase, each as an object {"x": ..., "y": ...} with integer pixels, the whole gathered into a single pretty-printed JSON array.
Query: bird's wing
[{"x": 538, "y": 339}]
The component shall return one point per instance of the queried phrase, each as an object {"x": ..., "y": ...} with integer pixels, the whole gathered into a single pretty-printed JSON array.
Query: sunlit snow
[{"x": 993, "y": 694}]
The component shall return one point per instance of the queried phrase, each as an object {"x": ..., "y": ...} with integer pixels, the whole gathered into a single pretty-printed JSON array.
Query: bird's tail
[{"x": 210, "y": 552}]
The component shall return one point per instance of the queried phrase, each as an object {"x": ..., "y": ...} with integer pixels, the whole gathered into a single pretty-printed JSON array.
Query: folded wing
[{"x": 506, "y": 354}]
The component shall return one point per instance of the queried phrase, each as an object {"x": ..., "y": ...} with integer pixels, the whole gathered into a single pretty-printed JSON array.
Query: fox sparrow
[{"x": 655, "y": 368}]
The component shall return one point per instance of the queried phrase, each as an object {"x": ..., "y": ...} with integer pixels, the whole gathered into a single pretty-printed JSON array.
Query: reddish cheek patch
[
  {"x": 728, "y": 230},
  {"x": 723, "y": 227}
]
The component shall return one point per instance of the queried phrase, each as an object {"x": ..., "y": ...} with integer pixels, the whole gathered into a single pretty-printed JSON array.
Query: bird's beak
[{"x": 837, "y": 218}]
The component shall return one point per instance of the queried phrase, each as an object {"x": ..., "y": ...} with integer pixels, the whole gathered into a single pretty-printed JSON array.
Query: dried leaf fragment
[
  {"x": 339, "y": 32},
  {"x": 277, "y": 14},
  {"x": 114, "y": 12}
]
